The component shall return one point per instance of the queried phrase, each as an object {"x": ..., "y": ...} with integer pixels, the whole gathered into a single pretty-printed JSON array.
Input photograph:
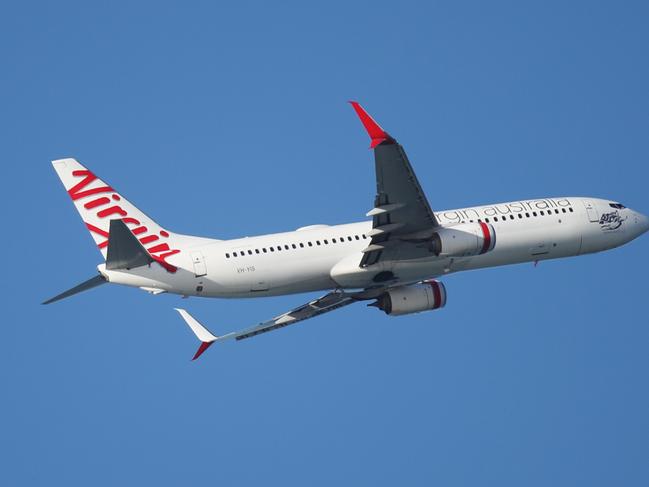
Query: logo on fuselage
[{"x": 611, "y": 221}]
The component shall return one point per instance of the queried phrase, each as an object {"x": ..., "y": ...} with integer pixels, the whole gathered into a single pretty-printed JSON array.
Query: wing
[
  {"x": 401, "y": 216},
  {"x": 324, "y": 304}
]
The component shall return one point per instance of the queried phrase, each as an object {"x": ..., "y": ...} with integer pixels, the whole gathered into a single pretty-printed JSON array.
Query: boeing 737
[{"x": 392, "y": 261}]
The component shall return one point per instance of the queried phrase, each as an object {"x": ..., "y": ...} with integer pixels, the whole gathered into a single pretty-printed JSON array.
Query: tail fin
[{"x": 98, "y": 204}]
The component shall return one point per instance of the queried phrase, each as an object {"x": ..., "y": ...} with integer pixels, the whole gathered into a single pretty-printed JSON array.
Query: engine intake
[
  {"x": 464, "y": 239},
  {"x": 405, "y": 300}
]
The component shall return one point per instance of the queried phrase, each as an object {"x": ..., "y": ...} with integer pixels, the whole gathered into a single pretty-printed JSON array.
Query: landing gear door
[
  {"x": 200, "y": 269},
  {"x": 592, "y": 212}
]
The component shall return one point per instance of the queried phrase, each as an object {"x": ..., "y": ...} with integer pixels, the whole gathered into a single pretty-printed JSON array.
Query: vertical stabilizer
[{"x": 98, "y": 203}]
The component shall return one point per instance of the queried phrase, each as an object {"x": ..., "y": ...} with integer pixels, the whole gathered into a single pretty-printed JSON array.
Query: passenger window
[
  {"x": 556, "y": 211},
  {"x": 234, "y": 254},
  {"x": 511, "y": 217},
  {"x": 317, "y": 242},
  {"x": 325, "y": 242},
  {"x": 310, "y": 244},
  {"x": 520, "y": 215},
  {"x": 333, "y": 240},
  {"x": 364, "y": 237},
  {"x": 227, "y": 256},
  {"x": 570, "y": 209},
  {"x": 250, "y": 252},
  {"x": 542, "y": 213},
  {"x": 256, "y": 251},
  {"x": 495, "y": 218},
  {"x": 487, "y": 220},
  {"x": 563, "y": 209},
  {"x": 534, "y": 213},
  {"x": 285, "y": 247},
  {"x": 527, "y": 215},
  {"x": 264, "y": 250},
  {"x": 349, "y": 238},
  {"x": 357, "y": 238},
  {"x": 301, "y": 245}
]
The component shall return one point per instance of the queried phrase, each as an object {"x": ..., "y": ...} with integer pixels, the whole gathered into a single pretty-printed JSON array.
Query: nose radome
[{"x": 643, "y": 222}]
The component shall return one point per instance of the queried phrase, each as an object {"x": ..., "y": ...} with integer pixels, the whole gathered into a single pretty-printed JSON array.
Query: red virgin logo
[{"x": 108, "y": 206}]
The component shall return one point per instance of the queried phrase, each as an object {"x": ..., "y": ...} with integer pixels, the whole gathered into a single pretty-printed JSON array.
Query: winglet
[
  {"x": 374, "y": 130},
  {"x": 204, "y": 346},
  {"x": 202, "y": 333}
]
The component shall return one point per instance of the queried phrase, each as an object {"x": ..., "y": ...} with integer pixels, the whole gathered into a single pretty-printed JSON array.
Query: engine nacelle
[
  {"x": 404, "y": 300},
  {"x": 463, "y": 240}
]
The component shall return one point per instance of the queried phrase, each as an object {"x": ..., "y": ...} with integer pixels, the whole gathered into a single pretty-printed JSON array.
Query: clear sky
[{"x": 230, "y": 119}]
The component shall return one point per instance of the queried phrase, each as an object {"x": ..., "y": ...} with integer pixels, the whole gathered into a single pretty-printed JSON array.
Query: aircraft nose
[{"x": 643, "y": 222}]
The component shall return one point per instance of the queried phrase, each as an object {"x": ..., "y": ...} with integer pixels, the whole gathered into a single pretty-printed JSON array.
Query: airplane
[{"x": 394, "y": 261}]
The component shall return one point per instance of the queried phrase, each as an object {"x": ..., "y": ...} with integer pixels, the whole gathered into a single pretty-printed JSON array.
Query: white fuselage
[{"x": 324, "y": 257}]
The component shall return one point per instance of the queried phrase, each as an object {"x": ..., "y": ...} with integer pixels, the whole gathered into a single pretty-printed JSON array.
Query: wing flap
[{"x": 326, "y": 303}]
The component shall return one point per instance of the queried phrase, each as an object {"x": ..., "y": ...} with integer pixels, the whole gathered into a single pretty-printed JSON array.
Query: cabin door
[
  {"x": 593, "y": 215},
  {"x": 200, "y": 269}
]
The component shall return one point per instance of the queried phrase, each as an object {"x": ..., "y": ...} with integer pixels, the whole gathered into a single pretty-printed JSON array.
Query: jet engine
[
  {"x": 463, "y": 239},
  {"x": 425, "y": 296}
]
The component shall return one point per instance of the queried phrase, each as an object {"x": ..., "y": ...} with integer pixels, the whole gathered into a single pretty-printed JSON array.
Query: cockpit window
[{"x": 617, "y": 206}]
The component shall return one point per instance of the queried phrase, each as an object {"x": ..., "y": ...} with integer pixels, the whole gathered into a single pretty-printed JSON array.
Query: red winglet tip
[
  {"x": 204, "y": 346},
  {"x": 376, "y": 142},
  {"x": 374, "y": 130}
]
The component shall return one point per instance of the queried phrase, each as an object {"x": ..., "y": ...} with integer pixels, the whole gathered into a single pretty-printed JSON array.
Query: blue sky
[{"x": 231, "y": 119}]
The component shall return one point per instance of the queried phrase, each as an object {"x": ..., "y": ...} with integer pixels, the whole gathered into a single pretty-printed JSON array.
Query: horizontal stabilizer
[
  {"x": 84, "y": 286},
  {"x": 124, "y": 249}
]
